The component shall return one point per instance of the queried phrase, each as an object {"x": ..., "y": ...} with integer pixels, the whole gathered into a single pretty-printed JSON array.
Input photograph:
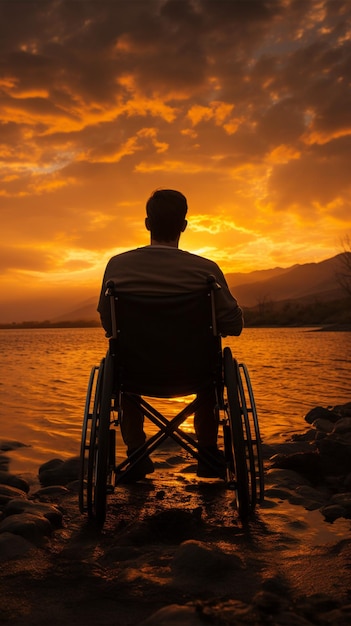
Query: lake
[{"x": 45, "y": 373}]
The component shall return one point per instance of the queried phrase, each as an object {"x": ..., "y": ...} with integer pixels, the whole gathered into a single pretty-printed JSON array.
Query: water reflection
[{"x": 45, "y": 375}]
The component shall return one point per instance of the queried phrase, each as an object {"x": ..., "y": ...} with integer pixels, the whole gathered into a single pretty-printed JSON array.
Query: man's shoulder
[
  {"x": 126, "y": 254},
  {"x": 169, "y": 256},
  {"x": 200, "y": 260}
]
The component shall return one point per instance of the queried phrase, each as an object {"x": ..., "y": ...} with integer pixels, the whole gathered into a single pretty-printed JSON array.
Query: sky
[{"x": 243, "y": 105}]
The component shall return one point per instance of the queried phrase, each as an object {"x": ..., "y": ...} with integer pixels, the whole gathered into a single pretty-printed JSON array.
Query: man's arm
[
  {"x": 230, "y": 320},
  {"x": 104, "y": 308}
]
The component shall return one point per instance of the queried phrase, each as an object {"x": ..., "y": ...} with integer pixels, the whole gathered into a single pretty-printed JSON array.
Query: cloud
[{"x": 244, "y": 106}]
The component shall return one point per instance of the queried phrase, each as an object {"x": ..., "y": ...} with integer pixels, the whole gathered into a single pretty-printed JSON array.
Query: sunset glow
[{"x": 244, "y": 106}]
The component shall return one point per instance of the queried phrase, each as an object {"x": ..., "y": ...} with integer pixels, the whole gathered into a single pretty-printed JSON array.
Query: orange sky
[{"x": 244, "y": 106}]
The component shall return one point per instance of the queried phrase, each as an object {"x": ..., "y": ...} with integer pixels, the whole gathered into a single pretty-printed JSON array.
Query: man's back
[{"x": 166, "y": 270}]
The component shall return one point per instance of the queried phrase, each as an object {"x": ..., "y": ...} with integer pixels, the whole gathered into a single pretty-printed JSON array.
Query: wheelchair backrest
[{"x": 164, "y": 346}]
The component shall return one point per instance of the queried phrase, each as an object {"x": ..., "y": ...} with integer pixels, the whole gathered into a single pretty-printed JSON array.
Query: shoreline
[{"x": 173, "y": 550}]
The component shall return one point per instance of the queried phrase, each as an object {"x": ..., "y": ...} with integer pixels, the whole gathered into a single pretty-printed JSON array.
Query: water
[{"x": 45, "y": 373}]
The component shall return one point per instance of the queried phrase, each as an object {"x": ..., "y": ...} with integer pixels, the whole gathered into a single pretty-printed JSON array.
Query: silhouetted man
[{"x": 162, "y": 268}]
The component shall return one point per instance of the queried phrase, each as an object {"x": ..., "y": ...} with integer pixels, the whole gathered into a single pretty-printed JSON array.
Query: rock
[
  {"x": 319, "y": 412},
  {"x": 32, "y": 527},
  {"x": 50, "y": 492},
  {"x": 323, "y": 425},
  {"x": 343, "y": 410},
  {"x": 13, "y": 546},
  {"x": 336, "y": 455},
  {"x": 58, "y": 472},
  {"x": 278, "y": 493},
  {"x": 50, "y": 512},
  {"x": 14, "y": 481},
  {"x": 309, "y": 435},
  {"x": 343, "y": 425},
  {"x": 343, "y": 500},
  {"x": 285, "y": 478},
  {"x": 175, "y": 615},
  {"x": 7, "y": 446},
  {"x": 4, "y": 462},
  {"x": 331, "y": 512},
  {"x": 308, "y": 464},
  {"x": 313, "y": 494},
  {"x": 347, "y": 482},
  {"x": 49, "y": 465},
  {"x": 267, "y": 601},
  {"x": 7, "y": 493},
  {"x": 197, "y": 562}
]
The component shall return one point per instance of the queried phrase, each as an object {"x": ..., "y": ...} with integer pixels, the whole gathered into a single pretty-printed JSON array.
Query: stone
[
  {"x": 50, "y": 512},
  {"x": 323, "y": 425},
  {"x": 197, "y": 561},
  {"x": 13, "y": 546},
  {"x": 58, "y": 472},
  {"x": 267, "y": 601},
  {"x": 313, "y": 494},
  {"x": 342, "y": 425},
  {"x": 174, "y": 615},
  {"x": 347, "y": 482},
  {"x": 32, "y": 527},
  {"x": 7, "y": 446},
  {"x": 7, "y": 493},
  {"x": 319, "y": 412},
  {"x": 52, "y": 491},
  {"x": 343, "y": 500},
  {"x": 306, "y": 463},
  {"x": 332, "y": 512},
  {"x": 336, "y": 455},
  {"x": 343, "y": 409},
  {"x": 6, "y": 478},
  {"x": 286, "y": 478}
]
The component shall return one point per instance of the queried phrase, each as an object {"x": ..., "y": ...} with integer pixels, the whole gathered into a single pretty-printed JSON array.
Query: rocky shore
[
  {"x": 318, "y": 475},
  {"x": 173, "y": 550}
]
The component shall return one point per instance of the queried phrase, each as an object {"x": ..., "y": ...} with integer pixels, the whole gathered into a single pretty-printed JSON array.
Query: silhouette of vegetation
[
  {"x": 299, "y": 313},
  {"x": 343, "y": 274},
  {"x": 48, "y": 324},
  {"x": 265, "y": 313}
]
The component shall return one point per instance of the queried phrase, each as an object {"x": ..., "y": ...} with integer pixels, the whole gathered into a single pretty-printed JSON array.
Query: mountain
[
  {"x": 242, "y": 278},
  {"x": 309, "y": 281},
  {"x": 87, "y": 311}
]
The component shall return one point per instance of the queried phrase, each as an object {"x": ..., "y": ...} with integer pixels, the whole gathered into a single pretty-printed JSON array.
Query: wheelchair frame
[{"x": 100, "y": 474}]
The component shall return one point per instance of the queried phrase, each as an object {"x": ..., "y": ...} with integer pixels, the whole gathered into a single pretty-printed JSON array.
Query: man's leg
[
  {"x": 206, "y": 429},
  {"x": 132, "y": 423},
  {"x": 205, "y": 418},
  {"x": 132, "y": 430}
]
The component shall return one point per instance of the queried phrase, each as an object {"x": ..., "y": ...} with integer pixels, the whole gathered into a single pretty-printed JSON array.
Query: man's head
[{"x": 166, "y": 210}]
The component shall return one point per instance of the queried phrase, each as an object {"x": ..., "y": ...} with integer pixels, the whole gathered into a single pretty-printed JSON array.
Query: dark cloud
[{"x": 245, "y": 105}]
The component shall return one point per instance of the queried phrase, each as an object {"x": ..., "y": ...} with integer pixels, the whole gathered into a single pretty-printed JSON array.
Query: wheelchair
[{"x": 167, "y": 347}]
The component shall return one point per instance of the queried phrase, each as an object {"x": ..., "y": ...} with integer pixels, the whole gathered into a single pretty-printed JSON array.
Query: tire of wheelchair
[
  {"x": 237, "y": 434},
  {"x": 252, "y": 436},
  {"x": 102, "y": 451},
  {"x": 88, "y": 440}
]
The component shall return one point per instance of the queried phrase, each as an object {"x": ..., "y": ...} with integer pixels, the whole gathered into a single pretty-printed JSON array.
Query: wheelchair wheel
[
  {"x": 88, "y": 440},
  {"x": 253, "y": 437},
  {"x": 103, "y": 457},
  {"x": 234, "y": 438}
]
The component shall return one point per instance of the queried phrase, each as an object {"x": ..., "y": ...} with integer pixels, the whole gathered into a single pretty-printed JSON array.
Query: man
[{"x": 163, "y": 268}]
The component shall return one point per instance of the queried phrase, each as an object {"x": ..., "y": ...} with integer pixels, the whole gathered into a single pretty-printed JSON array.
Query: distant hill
[
  {"x": 242, "y": 278},
  {"x": 87, "y": 311},
  {"x": 309, "y": 282}
]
